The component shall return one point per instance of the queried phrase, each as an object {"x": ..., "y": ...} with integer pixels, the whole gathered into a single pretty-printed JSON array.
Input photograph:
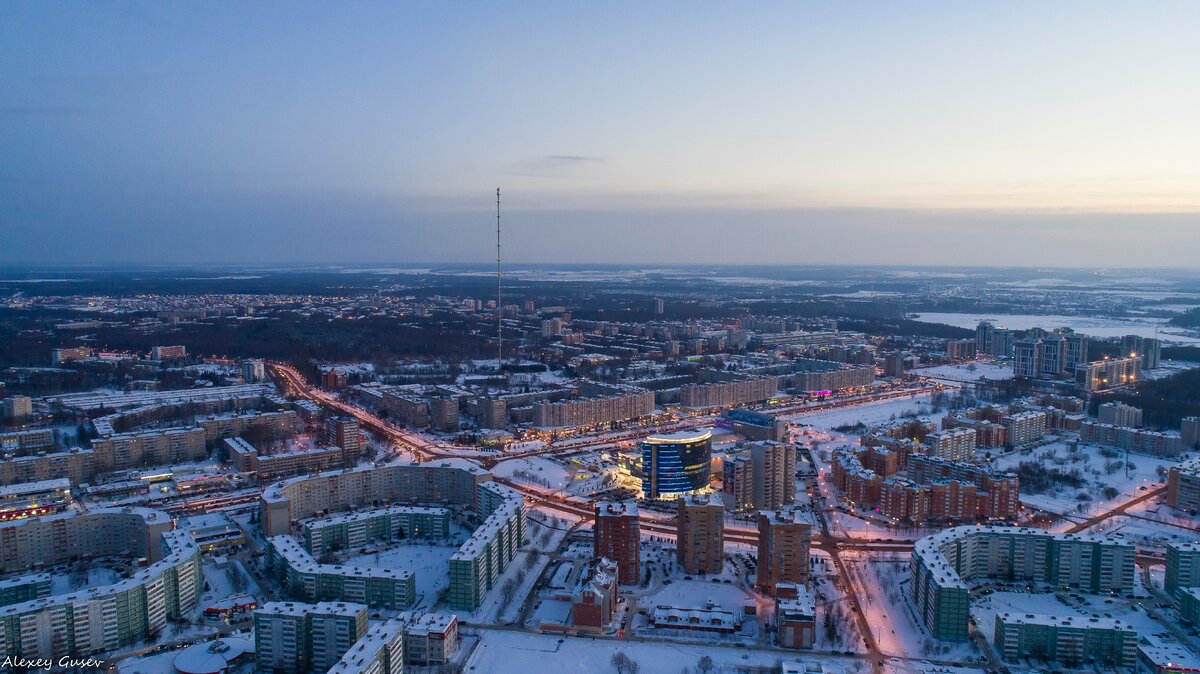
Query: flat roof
[{"x": 679, "y": 436}]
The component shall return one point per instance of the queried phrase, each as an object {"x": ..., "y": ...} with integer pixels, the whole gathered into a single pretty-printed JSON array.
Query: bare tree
[
  {"x": 506, "y": 592},
  {"x": 623, "y": 663}
]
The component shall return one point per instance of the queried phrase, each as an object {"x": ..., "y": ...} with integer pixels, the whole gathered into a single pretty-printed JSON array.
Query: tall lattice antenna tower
[{"x": 499, "y": 303}]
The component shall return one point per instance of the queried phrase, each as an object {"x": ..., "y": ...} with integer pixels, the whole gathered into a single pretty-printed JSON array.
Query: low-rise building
[{"x": 795, "y": 616}]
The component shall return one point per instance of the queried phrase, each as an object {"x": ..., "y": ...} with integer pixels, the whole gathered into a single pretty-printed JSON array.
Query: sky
[{"x": 939, "y": 133}]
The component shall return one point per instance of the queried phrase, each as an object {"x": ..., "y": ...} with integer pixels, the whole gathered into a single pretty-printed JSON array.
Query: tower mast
[{"x": 499, "y": 304}]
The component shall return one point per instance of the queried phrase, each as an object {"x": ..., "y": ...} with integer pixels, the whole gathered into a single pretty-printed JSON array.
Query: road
[{"x": 1119, "y": 510}]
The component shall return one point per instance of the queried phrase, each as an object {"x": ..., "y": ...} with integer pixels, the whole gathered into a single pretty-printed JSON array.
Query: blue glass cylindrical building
[{"x": 676, "y": 463}]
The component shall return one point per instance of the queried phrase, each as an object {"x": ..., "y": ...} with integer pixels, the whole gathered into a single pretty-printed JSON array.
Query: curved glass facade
[{"x": 675, "y": 464}]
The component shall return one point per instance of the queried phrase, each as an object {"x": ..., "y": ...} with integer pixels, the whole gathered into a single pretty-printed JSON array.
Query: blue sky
[{"x": 931, "y": 133}]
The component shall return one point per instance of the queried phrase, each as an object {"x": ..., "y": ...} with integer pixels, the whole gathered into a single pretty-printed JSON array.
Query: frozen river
[{"x": 1089, "y": 325}]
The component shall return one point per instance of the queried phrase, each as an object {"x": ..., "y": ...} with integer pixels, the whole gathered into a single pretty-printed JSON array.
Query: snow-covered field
[
  {"x": 967, "y": 372},
  {"x": 1098, "y": 472},
  {"x": 555, "y": 475},
  {"x": 869, "y": 413}
]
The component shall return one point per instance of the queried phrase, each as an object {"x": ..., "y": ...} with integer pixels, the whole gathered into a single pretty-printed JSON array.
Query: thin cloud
[{"x": 554, "y": 166}]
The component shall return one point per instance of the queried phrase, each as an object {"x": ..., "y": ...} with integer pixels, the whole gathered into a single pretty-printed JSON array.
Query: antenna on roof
[{"x": 499, "y": 304}]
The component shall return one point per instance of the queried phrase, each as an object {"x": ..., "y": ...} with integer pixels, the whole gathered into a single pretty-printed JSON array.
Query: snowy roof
[
  {"x": 206, "y": 521},
  {"x": 339, "y": 608},
  {"x": 672, "y": 616},
  {"x": 680, "y": 436},
  {"x": 789, "y": 516},
  {"x": 117, "y": 400},
  {"x": 616, "y": 508},
  {"x": 289, "y": 608},
  {"x": 147, "y": 514},
  {"x": 1170, "y": 656},
  {"x": 701, "y": 500},
  {"x": 274, "y": 492},
  {"x": 23, "y": 488},
  {"x": 1079, "y": 622},
  {"x": 27, "y": 579},
  {"x": 298, "y": 559},
  {"x": 364, "y": 651},
  {"x": 332, "y": 520},
  {"x": 428, "y": 623},
  {"x": 212, "y": 657}
]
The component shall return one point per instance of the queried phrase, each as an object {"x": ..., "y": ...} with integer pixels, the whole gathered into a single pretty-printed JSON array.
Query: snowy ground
[
  {"x": 832, "y": 600},
  {"x": 223, "y": 578},
  {"x": 550, "y": 474},
  {"x": 1157, "y": 511},
  {"x": 157, "y": 663},
  {"x": 967, "y": 372},
  {"x": 78, "y": 577},
  {"x": 883, "y": 588},
  {"x": 505, "y": 652},
  {"x": 1145, "y": 533},
  {"x": 869, "y": 413},
  {"x": 429, "y": 562},
  {"x": 1094, "y": 469}
]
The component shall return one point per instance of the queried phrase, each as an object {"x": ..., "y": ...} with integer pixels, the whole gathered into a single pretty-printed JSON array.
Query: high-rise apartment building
[
  {"x": 1183, "y": 486},
  {"x": 784, "y": 539},
  {"x": 774, "y": 465},
  {"x": 955, "y": 444},
  {"x": 700, "y": 540},
  {"x": 1024, "y": 428},
  {"x": 1054, "y": 356},
  {"x": 1183, "y": 567},
  {"x": 18, "y": 407},
  {"x": 941, "y": 564},
  {"x": 254, "y": 370},
  {"x": 737, "y": 483},
  {"x": 959, "y": 349},
  {"x": 1077, "y": 352},
  {"x": 1148, "y": 349},
  {"x": 167, "y": 352},
  {"x": 1101, "y": 375},
  {"x": 617, "y": 535},
  {"x": 1027, "y": 358},
  {"x": 333, "y": 629},
  {"x": 344, "y": 432},
  {"x": 1189, "y": 433},
  {"x": 294, "y": 637},
  {"x": 1119, "y": 414},
  {"x": 984, "y": 333}
]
